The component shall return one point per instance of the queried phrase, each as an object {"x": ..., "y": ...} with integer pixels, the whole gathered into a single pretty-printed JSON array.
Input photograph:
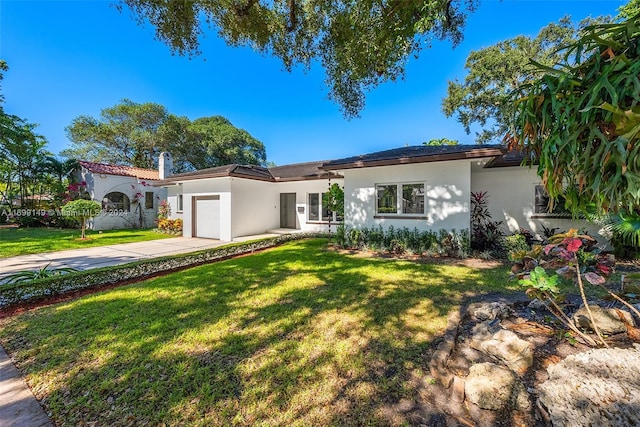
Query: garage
[{"x": 206, "y": 213}]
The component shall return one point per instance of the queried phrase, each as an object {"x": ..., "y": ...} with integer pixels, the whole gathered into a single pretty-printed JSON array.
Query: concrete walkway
[
  {"x": 105, "y": 256},
  {"x": 18, "y": 406}
]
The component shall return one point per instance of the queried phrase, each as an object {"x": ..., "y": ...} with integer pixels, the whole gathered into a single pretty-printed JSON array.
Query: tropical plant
[
  {"x": 580, "y": 121},
  {"x": 486, "y": 234},
  {"x": 42, "y": 273},
  {"x": 83, "y": 210}
]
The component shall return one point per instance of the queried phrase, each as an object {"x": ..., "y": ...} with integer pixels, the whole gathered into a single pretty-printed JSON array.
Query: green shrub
[{"x": 516, "y": 243}]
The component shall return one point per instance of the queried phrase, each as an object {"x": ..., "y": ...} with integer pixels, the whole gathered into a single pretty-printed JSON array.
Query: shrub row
[
  {"x": 12, "y": 294},
  {"x": 401, "y": 240}
]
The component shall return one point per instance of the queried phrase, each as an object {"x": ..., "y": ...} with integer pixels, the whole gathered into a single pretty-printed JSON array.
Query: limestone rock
[
  {"x": 494, "y": 387},
  {"x": 504, "y": 346},
  {"x": 598, "y": 387},
  {"x": 606, "y": 319},
  {"x": 489, "y": 311}
]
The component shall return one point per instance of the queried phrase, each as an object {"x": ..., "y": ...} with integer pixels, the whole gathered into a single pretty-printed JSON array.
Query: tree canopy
[
  {"x": 580, "y": 120},
  {"x": 495, "y": 71},
  {"x": 441, "y": 141},
  {"x": 134, "y": 134},
  {"x": 359, "y": 43}
]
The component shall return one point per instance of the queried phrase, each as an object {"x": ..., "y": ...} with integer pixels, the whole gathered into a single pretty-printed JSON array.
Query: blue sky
[{"x": 71, "y": 58}]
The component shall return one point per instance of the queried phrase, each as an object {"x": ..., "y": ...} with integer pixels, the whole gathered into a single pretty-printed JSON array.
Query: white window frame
[
  {"x": 399, "y": 208},
  {"x": 334, "y": 216},
  {"x": 179, "y": 203}
]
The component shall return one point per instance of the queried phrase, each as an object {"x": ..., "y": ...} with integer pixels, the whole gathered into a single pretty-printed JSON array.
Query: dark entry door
[{"x": 288, "y": 210}]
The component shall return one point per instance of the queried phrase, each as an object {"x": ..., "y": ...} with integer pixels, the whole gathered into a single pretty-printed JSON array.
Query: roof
[
  {"x": 415, "y": 154},
  {"x": 119, "y": 170},
  {"x": 300, "y": 171},
  {"x": 294, "y": 172}
]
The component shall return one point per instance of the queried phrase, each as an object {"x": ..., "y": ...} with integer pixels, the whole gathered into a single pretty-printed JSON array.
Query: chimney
[{"x": 165, "y": 165}]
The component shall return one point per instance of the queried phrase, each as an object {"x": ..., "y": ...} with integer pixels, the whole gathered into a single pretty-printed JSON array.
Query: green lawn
[
  {"x": 296, "y": 335},
  {"x": 24, "y": 241}
]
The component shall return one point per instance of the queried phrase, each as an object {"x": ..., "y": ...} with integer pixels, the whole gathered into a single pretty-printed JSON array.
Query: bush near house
[{"x": 443, "y": 242}]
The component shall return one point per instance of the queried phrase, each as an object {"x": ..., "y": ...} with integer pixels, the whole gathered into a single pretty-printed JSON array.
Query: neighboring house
[
  {"x": 127, "y": 194},
  {"x": 423, "y": 187}
]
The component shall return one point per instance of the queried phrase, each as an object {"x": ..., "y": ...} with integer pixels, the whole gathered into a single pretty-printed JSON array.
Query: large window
[
  {"x": 411, "y": 201},
  {"x": 115, "y": 201},
  {"x": 318, "y": 210}
]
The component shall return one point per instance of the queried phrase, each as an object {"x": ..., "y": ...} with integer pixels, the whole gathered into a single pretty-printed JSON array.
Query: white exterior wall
[
  {"x": 447, "y": 187},
  {"x": 254, "y": 205},
  {"x": 206, "y": 187},
  {"x": 302, "y": 190},
  {"x": 511, "y": 200},
  {"x": 99, "y": 185},
  {"x": 172, "y": 199}
]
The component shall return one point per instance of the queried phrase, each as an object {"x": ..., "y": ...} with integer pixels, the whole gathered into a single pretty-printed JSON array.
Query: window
[
  {"x": 148, "y": 200},
  {"x": 179, "y": 207},
  {"x": 318, "y": 210},
  {"x": 541, "y": 203},
  {"x": 115, "y": 201},
  {"x": 387, "y": 199},
  {"x": 411, "y": 202}
]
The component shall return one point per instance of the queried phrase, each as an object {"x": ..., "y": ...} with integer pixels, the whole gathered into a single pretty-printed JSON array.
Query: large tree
[
  {"x": 495, "y": 71},
  {"x": 134, "y": 134},
  {"x": 581, "y": 121},
  {"x": 359, "y": 43},
  {"x": 21, "y": 153}
]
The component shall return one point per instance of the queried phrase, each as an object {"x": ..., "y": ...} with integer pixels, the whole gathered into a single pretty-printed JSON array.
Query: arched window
[{"x": 115, "y": 201}]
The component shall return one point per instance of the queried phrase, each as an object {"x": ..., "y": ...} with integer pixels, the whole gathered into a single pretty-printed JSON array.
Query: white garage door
[{"x": 207, "y": 219}]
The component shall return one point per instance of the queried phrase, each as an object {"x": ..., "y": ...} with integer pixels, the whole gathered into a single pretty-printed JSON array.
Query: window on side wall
[
  {"x": 400, "y": 199},
  {"x": 148, "y": 200},
  {"x": 179, "y": 207},
  {"x": 541, "y": 203}
]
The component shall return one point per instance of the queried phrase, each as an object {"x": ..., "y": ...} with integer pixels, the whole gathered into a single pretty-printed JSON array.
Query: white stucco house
[
  {"x": 424, "y": 187},
  {"x": 127, "y": 194}
]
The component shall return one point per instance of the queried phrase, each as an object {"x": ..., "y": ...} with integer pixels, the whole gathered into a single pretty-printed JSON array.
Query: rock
[
  {"x": 483, "y": 331},
  {"x": 488, "y": 311},
  {"x": 606, "y": 319},
  {"x": 504, "y": 346},
  {"x": 457, "y": 389},
  {"x": 493, "y": 387},
  {"x": 598, "y": 387},
  {"x": 536, "y": 304}
]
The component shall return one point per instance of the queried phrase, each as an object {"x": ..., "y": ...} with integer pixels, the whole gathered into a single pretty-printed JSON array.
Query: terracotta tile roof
[
  {"x": 106, "y": 169},
  {"x": 415, "y": 154}
]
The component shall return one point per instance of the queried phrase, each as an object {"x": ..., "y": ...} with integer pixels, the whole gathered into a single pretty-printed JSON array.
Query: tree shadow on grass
[{"x": 292, "y": 335}]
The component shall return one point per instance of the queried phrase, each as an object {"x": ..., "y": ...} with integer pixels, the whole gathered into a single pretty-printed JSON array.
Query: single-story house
[
  {"x": 424, "y": 187},
  {"x": 128, "y": 196}
]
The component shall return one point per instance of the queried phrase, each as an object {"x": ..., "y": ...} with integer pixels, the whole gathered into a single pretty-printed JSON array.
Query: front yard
[
  {"x": 25, "y": 241},
  {"x": 297, "y": 335}
]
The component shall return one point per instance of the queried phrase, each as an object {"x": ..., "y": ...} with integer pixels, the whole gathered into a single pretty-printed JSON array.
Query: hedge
[{"x": 12, "y": 294}]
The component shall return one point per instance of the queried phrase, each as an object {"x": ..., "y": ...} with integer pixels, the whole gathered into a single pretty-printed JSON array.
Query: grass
[
  {"x": 25, "y": 241},
  {"x": 296, "y": 335}
]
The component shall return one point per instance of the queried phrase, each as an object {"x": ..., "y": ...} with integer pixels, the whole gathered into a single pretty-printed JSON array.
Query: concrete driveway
[{"x": 104, "y": 256}]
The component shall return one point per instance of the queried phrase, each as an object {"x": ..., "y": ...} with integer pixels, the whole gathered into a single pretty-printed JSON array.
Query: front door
[{"x": 288, "y": 210}]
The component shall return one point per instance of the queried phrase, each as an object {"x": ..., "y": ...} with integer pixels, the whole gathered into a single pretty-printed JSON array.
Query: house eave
[{"x": 472, "y": 154}]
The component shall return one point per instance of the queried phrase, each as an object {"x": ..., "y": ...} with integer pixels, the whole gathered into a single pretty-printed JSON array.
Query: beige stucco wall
[
  {"x": 511, "y": 200},
  {"x": 447, "y": 187}
]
